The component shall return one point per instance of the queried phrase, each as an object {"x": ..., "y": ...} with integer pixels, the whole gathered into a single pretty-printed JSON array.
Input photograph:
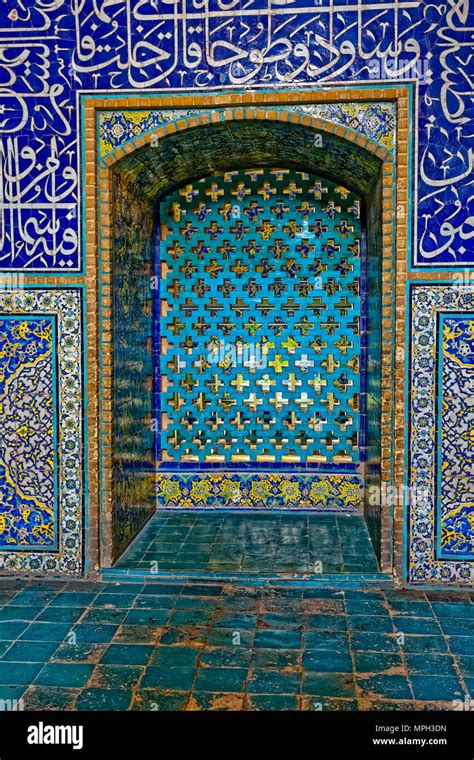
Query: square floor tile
[
  {"x": 221, "y": 679},
  {"x": 386, "y": 686},
  {"x": 436, "y": 687},
  {"x": 327, "y": 662},
  {"x": 65, "y": 675},
  {"x": 103, "y": 699},
  {"x": 271, "y": 682},
  {"x": 328, "y": 685},
  {"x": 173, "y": 656},
  {"x": 179, "y": 678},
  {"x": 127, "y": 654}
]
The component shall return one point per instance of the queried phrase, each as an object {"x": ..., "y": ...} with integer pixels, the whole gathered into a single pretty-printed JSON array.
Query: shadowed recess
[{"x": 166, "y": 163}]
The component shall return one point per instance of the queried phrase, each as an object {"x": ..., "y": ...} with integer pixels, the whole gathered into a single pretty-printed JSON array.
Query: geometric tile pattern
[
  {"x": 456, "y": 426},
  {"x": 262, "y": 321},
  {"x": 327, "y": 492},
  {"x": 41, "y": 462},
  {"x": 162, "y": 646},
  {"x": 440, "y": 473}
]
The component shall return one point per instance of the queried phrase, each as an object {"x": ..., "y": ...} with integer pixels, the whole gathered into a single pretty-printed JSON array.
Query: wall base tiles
[
  {"x": 41, "y": 400},
  {"x": 441, "y": 513},
  {"x": 327, "y": 492}
]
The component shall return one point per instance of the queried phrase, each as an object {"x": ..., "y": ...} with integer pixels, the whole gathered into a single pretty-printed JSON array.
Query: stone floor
[
  {"x": 158, "y": 646},
  {"x": 252, "y": 543}
]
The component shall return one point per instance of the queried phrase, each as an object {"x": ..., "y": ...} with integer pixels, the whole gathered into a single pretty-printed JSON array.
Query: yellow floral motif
[
  {"x": 23, "y": 329},
  {"x": 350, "y": 493},
  {"x": 260, "y": 490},
  {"x": 170, "y": 490},
  {"x": 47, "y": 531},
  {"x": 320, "y": 491},
  {"x": 200, "y": 491},
  {"x": 3, "y": 524},
  {"x": 230, "y": 490},
  {"x": 290, "y": 491}
]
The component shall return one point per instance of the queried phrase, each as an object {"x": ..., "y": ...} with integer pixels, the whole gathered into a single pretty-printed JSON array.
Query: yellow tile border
[{"x": 100, "y": 472}]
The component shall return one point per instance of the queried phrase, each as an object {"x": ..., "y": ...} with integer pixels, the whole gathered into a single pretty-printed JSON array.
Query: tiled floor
[
  {"x": 187, "y": 646},
  {"x": 252, "y": 543}
]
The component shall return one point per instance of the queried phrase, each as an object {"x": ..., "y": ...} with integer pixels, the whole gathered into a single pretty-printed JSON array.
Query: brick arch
[
  {"x": 255, "y": 114},
  {"x": 137, "y": 162},
  {"x": 267, "y": 137}
]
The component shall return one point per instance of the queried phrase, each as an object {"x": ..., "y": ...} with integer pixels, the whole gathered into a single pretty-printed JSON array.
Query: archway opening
[{"x": 247, "y": 303}]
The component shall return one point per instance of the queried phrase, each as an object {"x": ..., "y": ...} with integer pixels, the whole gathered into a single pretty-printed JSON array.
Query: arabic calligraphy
[{"x": 51, "y": 52}]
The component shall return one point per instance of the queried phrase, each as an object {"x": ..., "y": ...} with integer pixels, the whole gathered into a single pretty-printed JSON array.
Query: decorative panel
[
  {"x": 377, "y": 121},
  {"x": 456, "y": 436},
  {"x": 28, "y": 420},
  {"x": 440, "y": 540},
  {"x": 325, "y": 493},
  {"x": 41, "y": 449},
  {"x": 261, "y": 320}
]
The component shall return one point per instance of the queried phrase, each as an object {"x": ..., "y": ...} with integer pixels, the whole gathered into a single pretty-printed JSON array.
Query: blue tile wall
[
  {"x": 262, "y": 321},
  {"x": 54, "y": 51}
]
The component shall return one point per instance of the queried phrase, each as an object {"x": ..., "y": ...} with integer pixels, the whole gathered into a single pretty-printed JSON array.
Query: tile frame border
[
  {"x": 438, "y": 570},
  {"x": 395, "y": 245},
  {"x": 59, "y": 557}
]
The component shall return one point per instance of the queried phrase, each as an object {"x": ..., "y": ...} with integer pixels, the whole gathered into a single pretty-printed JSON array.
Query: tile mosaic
[
  {"x": 375, "y": 120},
  {"x": 438, "y": 318},
  {"x": 456, "y": 507},
  {"x": 264, "y": 211},
  {"x": 41, "y": 228},
  {"x": 41, "y": 387}
]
